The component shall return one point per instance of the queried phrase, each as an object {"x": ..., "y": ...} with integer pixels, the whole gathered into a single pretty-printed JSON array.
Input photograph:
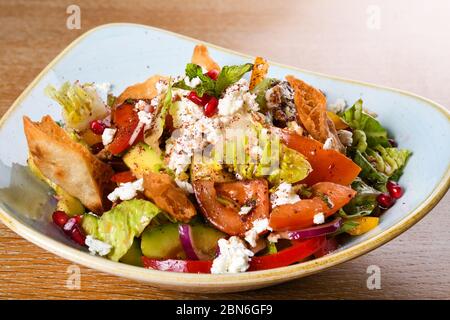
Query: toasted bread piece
[
  {"x": 201, "y": 57},
  {"x": 144, "y": 90},
  {"x": 162, "y": 190},
  {"x": 259, "y": 72},
  {"x": 68, "y": 164},
  {"x": 311, "y": 107}
]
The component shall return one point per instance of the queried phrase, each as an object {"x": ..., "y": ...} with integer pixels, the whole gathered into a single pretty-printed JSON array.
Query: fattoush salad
[{"x": 222, "y": 169}]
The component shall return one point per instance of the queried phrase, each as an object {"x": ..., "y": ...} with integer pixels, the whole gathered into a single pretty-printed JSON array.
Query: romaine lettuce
[
  {"x": 81, "y": 104},
  {"x": 119, "y": 226}
]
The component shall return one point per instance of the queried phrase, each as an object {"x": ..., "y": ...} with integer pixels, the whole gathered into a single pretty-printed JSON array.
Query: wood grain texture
[{"x": 410, "y": 50}]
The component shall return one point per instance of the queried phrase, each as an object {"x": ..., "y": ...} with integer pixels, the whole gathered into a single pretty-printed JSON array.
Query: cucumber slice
[
  {"x": 134, "y": 254},
  {"x": 162, "y": 242}
]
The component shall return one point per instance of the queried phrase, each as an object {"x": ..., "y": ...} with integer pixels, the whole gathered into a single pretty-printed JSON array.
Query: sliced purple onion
[
  {"x": 312, "y": 232},
  {"x": 185, "y": 232}
]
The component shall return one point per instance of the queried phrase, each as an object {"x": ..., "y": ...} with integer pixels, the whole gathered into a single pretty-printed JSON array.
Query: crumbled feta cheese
[
  {"x": 328, "y": 144},
  {"x": 274, "y": 237},
  {"x": 108, "y": 136},
  {"x": 161, "y": 86},
  {"x": 319, "y": 218},
  {"x": 338, "y": 106},
  {"x": 186, "y": 186},
  {"x": 239, "y": 176},
  {"x": 233, "y": 257},
  {"x": 96, "y": 246},
  {"x": 283, "y": 195},
  {"x": 127, "y": 191},
  {"x": 259, "y": 226},
  {"x": 245, "y": 210},
  {"x": 194, "y": 132},
  {"x": 346, "y": 137},
  {"x": 194, "y": 82},
  {"x": 145, "y": 117},
  {"x": 235, "y": 97}
]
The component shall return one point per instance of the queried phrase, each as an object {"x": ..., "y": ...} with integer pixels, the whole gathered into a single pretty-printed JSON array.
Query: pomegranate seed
[
  {"x": 97, "y": 127},
  {"x": 213, "y": 74},
  {"x": 78, "y": 218},
  {"x": 77, "y": 235},
  {"x": 385, "y": 201},
  {"x": 395, "y": 190},
  {"x": 211, "y": 107},
  {"x": 60, "y": 218},
  {"x": 393, "y": 143},
  {"x": 201, "y": 101}
]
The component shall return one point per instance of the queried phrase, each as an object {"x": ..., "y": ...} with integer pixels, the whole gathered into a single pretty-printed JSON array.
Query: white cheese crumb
[
  {"x": 108, "y": 136},
  {"x": 346, "y": 137},
  {"x": 259, "y": 226},
  {"x": 145, "y": 117},
  {"x": 186, "y": 186},
  {"x": 274, "y": 237},
  {"x": 69, "y": 224},
  {"x": 126, "y": 191},
  {"x": 328, "y": 144},
  {"x": 233, "y": 257},
  {"x": 235, "y": 97},
  {"x": 319, "y": 218},
  {"x": 338, "y": 106},
  {"x": 161, "y": 86},
  {"x": 245, "y": 210},
  {"x": 283, "y": 195},
  {"x": 96, "y": 246},
  {"x": 194, "y": 82}
]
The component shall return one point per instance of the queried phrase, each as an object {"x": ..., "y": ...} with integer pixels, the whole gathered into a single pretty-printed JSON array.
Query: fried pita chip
[
  {"x": 259, "y": 72},
  {"x": 68, "y": 164},
  {"x": 162, "y": 190},
  {"x": 201, "y": 57},
  {"x": 145, "y": 90},
  {"x": 311, "y": 107}
]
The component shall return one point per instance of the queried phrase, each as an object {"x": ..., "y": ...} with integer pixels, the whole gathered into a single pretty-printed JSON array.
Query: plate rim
[{"x": 226, "y": 282}]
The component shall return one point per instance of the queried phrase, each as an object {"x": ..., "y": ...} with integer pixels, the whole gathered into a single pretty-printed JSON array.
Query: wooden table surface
[{"x": 404, "y": 44}]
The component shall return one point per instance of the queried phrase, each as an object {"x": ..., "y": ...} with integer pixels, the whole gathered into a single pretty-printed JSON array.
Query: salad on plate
[{"x": 222, "y": 169}]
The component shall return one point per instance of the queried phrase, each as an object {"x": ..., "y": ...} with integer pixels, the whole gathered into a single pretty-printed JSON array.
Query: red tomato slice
[
  {"x": 126, "y": 120},
  {"x": 187, "y": 266},
  {"x": 327, "y": 165},
  {"x": 228, "y": 219},
  {"x": 300, "y": 215},
  {"x": 123, "y": 177},
  {"x": 299, "y": 250}
]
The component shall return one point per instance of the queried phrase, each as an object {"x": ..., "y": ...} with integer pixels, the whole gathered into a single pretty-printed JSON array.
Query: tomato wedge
[
  {"x": 123, "y": 177},
  {"x": 300, "y": 215},
  {"x": 299, "y": 250},
  {"x": 328, "y": 165},
  {"x": 227, "y": 218},
  {"x": 186, "y": 266},
  {"x": 126, "y": 120}
]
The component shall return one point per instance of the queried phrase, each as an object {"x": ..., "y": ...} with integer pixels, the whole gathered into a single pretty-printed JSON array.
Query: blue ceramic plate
[{"x": 417, "y": 123}]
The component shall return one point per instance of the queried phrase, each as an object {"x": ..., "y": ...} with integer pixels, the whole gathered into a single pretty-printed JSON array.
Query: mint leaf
[{"x": 230, "y": 75}]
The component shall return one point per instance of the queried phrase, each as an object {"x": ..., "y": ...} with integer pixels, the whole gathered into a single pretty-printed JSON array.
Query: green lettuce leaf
[
  {"x": 81, "y": 104},
  {"x": 359, "y": 120},
  {"x": 364, "y": 202},
  {"x": 368, "y": 172},
  {"x": 119, "y": 226}
]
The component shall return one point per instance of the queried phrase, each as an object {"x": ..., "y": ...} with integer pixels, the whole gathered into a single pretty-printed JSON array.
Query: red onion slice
[
  {"x": 185, "y": 232},
  {"x": 312, "y": 232}
]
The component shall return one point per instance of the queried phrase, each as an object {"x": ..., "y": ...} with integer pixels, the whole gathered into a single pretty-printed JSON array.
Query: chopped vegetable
[
  {"x": 81, "y": 104},
  {"x": 364, "y": 224},
  {"x": 120, "y": 225}
]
